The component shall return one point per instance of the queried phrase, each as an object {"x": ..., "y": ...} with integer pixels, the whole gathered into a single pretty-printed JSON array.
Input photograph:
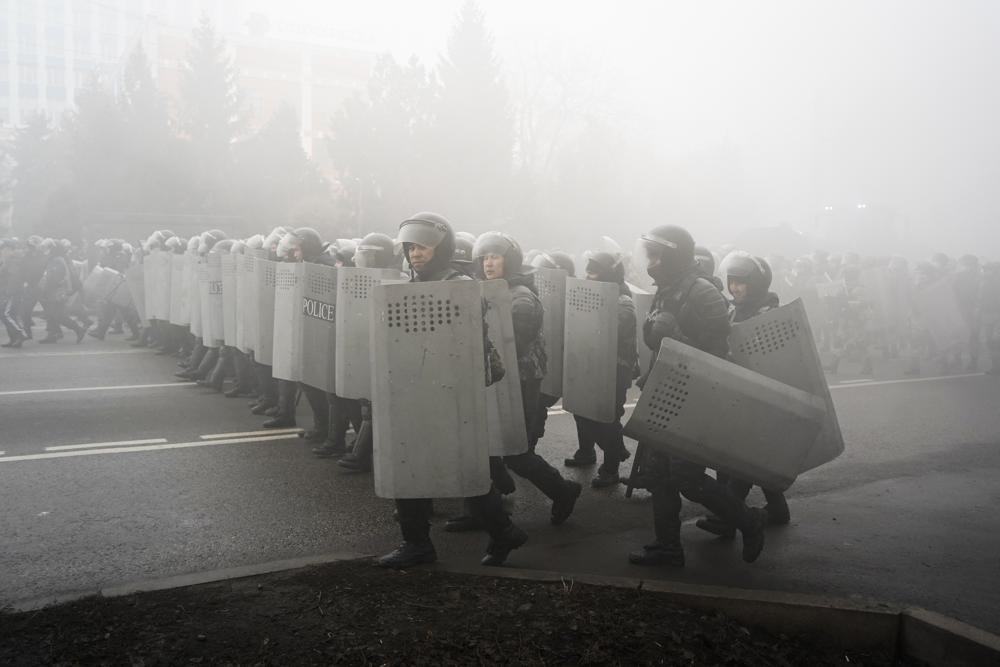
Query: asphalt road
[{"x": 906, "y": 515}]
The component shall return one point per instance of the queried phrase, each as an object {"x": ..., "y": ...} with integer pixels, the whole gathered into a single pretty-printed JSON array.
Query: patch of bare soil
[{"x": 353, "y": 613}]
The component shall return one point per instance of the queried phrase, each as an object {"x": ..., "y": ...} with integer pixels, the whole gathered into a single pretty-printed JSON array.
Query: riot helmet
[
  {"x": 209, "y": 239},
  {"x": 705, "y": 260},
  {"x": 223, "y": 246},
  {"x": 668, "y": 251},
  {"x": 193, "y": 243},
  {"x": 255, "y": 242},
  {"x": 238, "y": 247},
  {"x": 754, "y": 272},
  {"x": 464, "y": 245},
  {"x": 344, "y": 251},
  {"x": 376, "y": 251},
  {"x": 501, "y": 245},
  {"x": 430, "y": 230},
  {"x": 175, "y": 244},
  {"x": 604, "y": 266}
]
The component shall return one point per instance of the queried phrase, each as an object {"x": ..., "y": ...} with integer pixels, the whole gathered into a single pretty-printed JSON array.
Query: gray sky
[{"x": 888, "y": 102}]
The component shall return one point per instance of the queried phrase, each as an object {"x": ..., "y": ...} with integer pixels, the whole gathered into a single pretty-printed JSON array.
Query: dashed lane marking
[
  {"x": 83, "y": 353},
  {"x": 140, "y": 448},
  {"x": 25, "y": 392},
  {"x": 249, "y": 434},
  {"x": 96, "y": 445}
]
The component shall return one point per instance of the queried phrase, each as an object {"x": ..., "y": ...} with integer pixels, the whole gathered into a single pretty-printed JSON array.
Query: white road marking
[
  {"x": 856, "y": 381},
  {"x": 141, "y": 448},
  {"x": 82, "y": 353},
  {"x": 121, "y": 443},
  {"x": 906, "y": 380},
  {"x": 249, "y": 434},
  {"x": 25, "y": 392}
]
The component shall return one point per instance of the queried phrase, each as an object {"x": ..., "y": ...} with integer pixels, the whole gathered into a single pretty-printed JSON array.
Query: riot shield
[
  {"x": 287, "y": 341},
  {"x": 180, "y": 309},
  {"x": 643, "y": 301},
  {"x": 505, "y": 425},
  {"x": 429, "y": 408},
  {"x": 193, "y": 283},
  {"x": 780, "y": 345},
  {"x": 163, "y": 286},
  {"x": 248, "y": 304},
  {"x": 149, "y": 284},
  {"x": 136, "y": 287},
  {"x": 205, "y": 304},
  {"x": 590, "y": 349},
  {"x": 230, "y": 297},
  {"x": 120, "y": 294},
  {"x": 318, "y": 307},
  {"x": 710, "y": 411},
  {"x": 215, "y": 299},
  {"x": 939, "y": 314},
  {"x": 353, "y": 313},
  {"x": 264, "y": 339},
  {"x": 98, "y": 285},
  {"x": 551, "y": 286}
]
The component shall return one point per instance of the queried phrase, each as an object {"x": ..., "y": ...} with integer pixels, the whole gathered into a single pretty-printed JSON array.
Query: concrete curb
[{"x": 913, "y": 632}]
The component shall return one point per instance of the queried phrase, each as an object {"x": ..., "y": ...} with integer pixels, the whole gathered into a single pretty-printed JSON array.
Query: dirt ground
[{"x": 352, "y": 613}]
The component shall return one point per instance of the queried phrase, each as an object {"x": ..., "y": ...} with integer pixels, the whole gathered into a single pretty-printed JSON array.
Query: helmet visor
[{"x": 421, "y": 232}]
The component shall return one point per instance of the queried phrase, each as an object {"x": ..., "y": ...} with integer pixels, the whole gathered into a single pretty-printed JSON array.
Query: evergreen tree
[
  {"x": 210, "y": 113},
  {"x": 379, "y": 144},
  {"x": 473, "y": 135},
  {"x": 38, "y": 171},
  {"x": 96, "y": 140},
  {"x": 272, "y": 173},
  {"x": 156, "y": 178}
]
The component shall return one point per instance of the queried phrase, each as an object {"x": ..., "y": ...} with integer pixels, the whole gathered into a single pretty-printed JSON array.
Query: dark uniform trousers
[
  {"x": 414, "y": 516},
  {"x": 343, "y": 412},
  {"x": 606, "y": 436},
  {"x": 267, "y": 386},
  {"x": 530, "y": 465},
  {"x": 670, "y": 477},
  {"x": 320, "y": 408}
]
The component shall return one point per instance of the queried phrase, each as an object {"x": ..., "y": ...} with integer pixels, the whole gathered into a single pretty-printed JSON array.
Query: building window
[{"x": 26, "y": 37}]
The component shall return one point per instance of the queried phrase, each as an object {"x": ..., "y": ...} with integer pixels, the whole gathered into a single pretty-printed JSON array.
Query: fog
[{"x": 812, "y": 104}]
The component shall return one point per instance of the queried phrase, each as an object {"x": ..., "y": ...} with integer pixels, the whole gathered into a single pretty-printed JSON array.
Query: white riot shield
[
  {"x": 780, "y": 345},
  {"x": 180, "y": 309},
  {"x": 99, "y": 284},
  {"x": 939, "y": 314},
  {"x": 120, "y": 294},
  {"x": 249, "y": 303},
  {"x": 194, "y": 293},
  {"x": 163, "y": 286},
  {"x": 551, "y": 286},
  {"x": 353, "y": 368},
  {"x": 149, "y": 283},
  {"x": 230, "y": 296},
  {"x": 710, "y": 411},
  {"x": 264, "y": 340},
  {"x": 319, "y": 304},
  {"x": 429, "y": 399},
  {"x": 590, "y": 349},
  {"x": 136, "y": 287},
  {"x": 508, "y": 434},
  {"x": 287, "y": 341},
  {"x": 643, "y": 301},
  {"x": 215, "y": 299},
  {"x": 205, "y": 304}
]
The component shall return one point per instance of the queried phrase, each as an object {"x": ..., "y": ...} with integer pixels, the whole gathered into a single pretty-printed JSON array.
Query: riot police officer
[
  {"x": 428, "y": 245},
  {"x": 749, "y": 280},
  {"x": 607, "y": 267},
  {"x": 688, "y": 308},
  {"x": 498, "y": 256}
]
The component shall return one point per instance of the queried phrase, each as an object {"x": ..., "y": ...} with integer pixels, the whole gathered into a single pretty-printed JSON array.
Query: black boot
[
  {"x": 463, "y": 524},
  {"x": 409, "y": 554},
  {"x": 499, "y": 548},
  {"x": 658, "y": 554},
  {"x": 716, "y": 526},
  {"x": 280, "y": 422},
  {"x": 581, "y": 459},
  {"x": 360, "y": 458},
  {"x": 563, "y": 506},
  {"x": 753, "y": 534}
]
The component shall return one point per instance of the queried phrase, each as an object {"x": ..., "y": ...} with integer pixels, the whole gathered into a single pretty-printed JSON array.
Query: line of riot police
[{"x": 444, "y": 352}]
